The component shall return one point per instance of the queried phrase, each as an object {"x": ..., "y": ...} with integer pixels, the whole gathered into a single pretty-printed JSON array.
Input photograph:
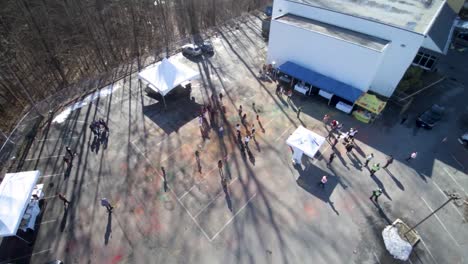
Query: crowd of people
[{"x": 100, "y": 132}]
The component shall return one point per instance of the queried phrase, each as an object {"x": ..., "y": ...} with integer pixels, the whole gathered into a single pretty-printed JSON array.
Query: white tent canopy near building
[
  {"x": 15, "y": 195},
  {"x": 304, "y": 141},
  {"x": 165, "y": 75}
]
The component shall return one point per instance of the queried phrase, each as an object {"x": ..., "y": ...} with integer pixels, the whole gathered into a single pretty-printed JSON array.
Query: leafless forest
[{"x": 47, "y": 45}]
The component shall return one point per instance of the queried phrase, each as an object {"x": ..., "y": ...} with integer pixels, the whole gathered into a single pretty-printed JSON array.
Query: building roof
[
  {"x": 344, "y": 34},
  {"x": 440, "y": 30},
  {"x": 412, "y": 15}
]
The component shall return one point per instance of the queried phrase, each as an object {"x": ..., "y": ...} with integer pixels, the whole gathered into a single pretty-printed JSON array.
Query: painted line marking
[
  {"x": 378, "y": 260},
  {"x": 232, "y": 218},
  {"x": 459, "y": 185},
  {"x": 55, "y": 139},
  {"x": 217, "y": 196},
  {"x": 459, "y": 163},
  {"x": 26, "y": 256},
  {"x": 58, "y": 156},
  {"x": 51, "y": 175},
  {"x": 428, "y": 251},
  {"x": 187, "y": 192},
  {"x": 172, "y": 191},
  {"x": 442, "y": 224},
  {"x": 49, "y": 221},
  {"x": 284, "y": 132},
  {"x": 453, "y": 204}
]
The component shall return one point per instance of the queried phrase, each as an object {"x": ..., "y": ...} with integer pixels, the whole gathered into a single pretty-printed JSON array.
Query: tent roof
[
  {"x": 305, "y": 140},
  {"x": 321, "y": 81},
  {"x": 371, "y": 103},
  {"x": 166, "y": 75},
  {"x": 15, "y": 194}
]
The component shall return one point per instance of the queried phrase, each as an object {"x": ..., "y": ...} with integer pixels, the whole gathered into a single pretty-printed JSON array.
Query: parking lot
[{"x": 271, "y": 211}]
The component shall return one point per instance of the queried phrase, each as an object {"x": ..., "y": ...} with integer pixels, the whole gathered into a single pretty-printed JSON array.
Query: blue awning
[{"x": 323, "y": 82}]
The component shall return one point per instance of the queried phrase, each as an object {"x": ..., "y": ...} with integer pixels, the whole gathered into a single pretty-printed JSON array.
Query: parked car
[
  {"x": 207, "y": 47},
  {"x": 191, "y": 50},
  {"x": 430, "y": 117},
  {"x": 463, "y": 139}
]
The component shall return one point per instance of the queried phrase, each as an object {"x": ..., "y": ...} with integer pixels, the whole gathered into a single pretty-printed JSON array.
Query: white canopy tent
[
  {"x": 165, "y": 75},
  {"x": 304, "y": 141},
  {"x": 15, "y": 195}
]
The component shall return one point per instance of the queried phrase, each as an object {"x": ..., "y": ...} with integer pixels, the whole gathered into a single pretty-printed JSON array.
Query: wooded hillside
[{"x": 46, "y": 45}]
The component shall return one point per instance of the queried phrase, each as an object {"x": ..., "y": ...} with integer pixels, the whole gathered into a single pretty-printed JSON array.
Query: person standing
[
  {"x": 323, "y": 181},
  {"x": 62, "y": 198},
  {"x": 220, "y": 97},
  {"x": 68, "y": 149},
  {"x": 352, "y": 133},
  {"x": 244, "y": 118},
  {"x": 246, "y": 141},
  {"x": 412, "y": 156},
  {"x": 299, "y": 110},
  {"x": 375, "y": 195},
  {"x": 325, "y": 119},
  {"x": 349, "y": 147},
  {"x": 278, "y": 89},
  {"x": 289, "y": 95},
  {"x": 252, "y": 132},
  {"x": 368, "y": 158},
  {"x": 220, "y": 168},
  {"x": 332, "y": 156},
  {"x": 240, "y": 110},
  {"x": 388, "y": 162},
  {"x": 221, "y": 131},
  {"x": 375, "y": 168},
  {"x": 106, "y": 203}
]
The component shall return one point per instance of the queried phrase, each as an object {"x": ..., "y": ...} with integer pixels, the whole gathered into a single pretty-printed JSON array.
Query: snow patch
[{"x": 101, "y": 93}]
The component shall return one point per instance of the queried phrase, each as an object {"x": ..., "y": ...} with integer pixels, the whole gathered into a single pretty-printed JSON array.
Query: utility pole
[{"x": 452, "y": 197}]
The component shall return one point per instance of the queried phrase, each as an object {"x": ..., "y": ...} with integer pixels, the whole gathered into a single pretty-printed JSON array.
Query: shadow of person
[
  {"x": 332, "y": 205},
  {"x": 381, "y": 186},
  {"x": 228, "y": 198},
  {"x": 356, "y": 162},
  {"x": 68, "y": 170},
  {"x": 251, "y": 156},
  {"x": 397, "y": 182},
  {"x": 340, "y": 157},
  {"x": 382, "y": 213},
  {"x": 108, "y": 228},
  {"x": 63, "y": 223},
  {"x": 257, "y": 145}
]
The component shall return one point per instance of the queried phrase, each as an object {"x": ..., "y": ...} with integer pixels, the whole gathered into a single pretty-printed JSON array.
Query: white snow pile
[
  {"x": 104, "y": 92},
  {"x": 399, "y": 248}
]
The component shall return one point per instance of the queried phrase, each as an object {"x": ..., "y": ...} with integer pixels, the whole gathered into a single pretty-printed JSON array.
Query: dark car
[
  {"x": 430, "y": 117},
  {"x": 191, "y": 50}
]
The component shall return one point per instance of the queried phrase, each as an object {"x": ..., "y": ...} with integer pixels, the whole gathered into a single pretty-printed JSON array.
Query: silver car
[{"x": 191, "y": 50}]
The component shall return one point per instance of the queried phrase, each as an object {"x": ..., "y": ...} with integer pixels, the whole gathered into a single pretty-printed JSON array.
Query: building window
[{"x": 424, "y": 60}]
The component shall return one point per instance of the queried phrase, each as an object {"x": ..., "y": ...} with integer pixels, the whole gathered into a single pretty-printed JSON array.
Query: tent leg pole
[
  {"x": 23, "y": 239},
  {"x": 164, "y": 101}
]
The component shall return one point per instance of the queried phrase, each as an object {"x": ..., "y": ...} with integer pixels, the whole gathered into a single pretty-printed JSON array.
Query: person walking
[
  {"x": 299, "y": 110},
  {"x": 388, "y": 161},
  {"x": 240, "y": 110},
  {"x": 375, "y": 195},
  {"x": 323, "y": 181},
  {"x": 332, "y": 156},
  {"x": 107, "y": 205},
  {"x": 412, "y": 156},
  {"x": 278, "y": 89},
  {"x": 375, "y": 168},
  {"x": 368, "y": 158},
  {"x": 220, "y": 97},
  {"x": 62, "y": 198}
]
